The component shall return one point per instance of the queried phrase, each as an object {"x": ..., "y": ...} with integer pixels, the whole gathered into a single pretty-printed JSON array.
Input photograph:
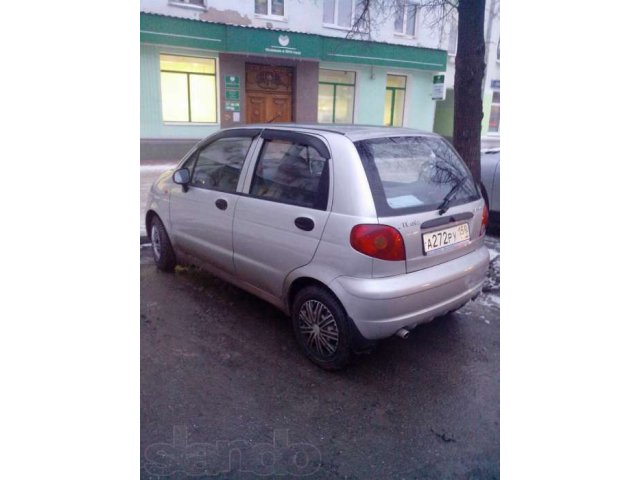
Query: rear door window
[
  {"x": 290, "y": 171},
  {"x": 414, "y": 174}
]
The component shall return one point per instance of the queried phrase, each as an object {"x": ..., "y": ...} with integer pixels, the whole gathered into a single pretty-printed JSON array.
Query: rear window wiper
[{"x": 444, "y": 206}]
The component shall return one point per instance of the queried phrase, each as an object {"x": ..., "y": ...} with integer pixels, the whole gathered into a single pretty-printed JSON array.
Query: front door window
[{"x": 219, "y": 164}]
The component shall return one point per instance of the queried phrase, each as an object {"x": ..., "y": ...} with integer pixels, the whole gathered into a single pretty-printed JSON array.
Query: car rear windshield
[{"x": 411, "y": 174}]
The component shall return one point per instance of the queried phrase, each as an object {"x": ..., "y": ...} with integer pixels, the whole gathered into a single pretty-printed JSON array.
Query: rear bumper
[{"x": 379, "y": 307}]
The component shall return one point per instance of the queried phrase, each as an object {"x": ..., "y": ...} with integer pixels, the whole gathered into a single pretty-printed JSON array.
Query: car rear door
[
  {"x": 281, "y": 216},
  {"x": 410, "y": 177},
  {"x": 202, "y": 214}
]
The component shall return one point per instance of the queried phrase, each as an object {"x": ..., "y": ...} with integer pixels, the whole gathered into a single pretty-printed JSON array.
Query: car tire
[
  {"x": 163, "y": 253},
  {"x": 321, "y": 328}
]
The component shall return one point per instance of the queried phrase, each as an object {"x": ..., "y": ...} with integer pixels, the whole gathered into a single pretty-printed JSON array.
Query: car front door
[
  {"x": 280, "y": 219},
  {"x": 202, "y": 213}
]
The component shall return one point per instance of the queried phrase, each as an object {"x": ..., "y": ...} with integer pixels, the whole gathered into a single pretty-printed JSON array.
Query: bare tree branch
[
  {"x": 371, "y": 14},
  {"x": 470, "y": 62}
]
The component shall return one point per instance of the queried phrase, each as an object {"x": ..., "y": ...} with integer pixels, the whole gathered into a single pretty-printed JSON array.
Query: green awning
[
  {"x": 382, "y": 54},
  {"x": 163, "y": 30},
  {"x": 181, "y": 32}
]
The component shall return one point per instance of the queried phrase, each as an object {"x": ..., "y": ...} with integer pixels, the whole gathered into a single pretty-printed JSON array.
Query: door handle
[
  {"x": 304, "y": 223},
  {"x": 221, "y": 203}
]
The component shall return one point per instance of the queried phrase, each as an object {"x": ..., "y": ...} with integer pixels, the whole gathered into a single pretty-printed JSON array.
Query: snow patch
[{"x": 490, "y": 300}]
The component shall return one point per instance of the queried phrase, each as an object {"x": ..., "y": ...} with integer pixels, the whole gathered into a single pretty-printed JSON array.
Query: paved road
[{"x": 225, "y": 392}]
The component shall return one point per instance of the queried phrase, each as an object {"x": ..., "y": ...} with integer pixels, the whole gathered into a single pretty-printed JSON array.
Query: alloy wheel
[
  {"x": 318, "y": 328},
  {"x": 155, "y": 241}
]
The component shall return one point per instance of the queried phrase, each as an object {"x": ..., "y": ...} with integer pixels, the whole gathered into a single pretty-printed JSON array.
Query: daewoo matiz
[{"x": 357, "y": 233}]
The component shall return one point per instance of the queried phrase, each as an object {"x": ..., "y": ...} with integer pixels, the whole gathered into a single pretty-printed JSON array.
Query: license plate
[{"x": 443, "y": 238}]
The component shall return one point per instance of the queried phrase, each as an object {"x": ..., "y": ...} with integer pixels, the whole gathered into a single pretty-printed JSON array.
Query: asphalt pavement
[{"x": 225, "y": 392}]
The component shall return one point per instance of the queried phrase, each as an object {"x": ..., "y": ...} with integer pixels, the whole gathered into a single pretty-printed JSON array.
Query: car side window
[
  {"x": 291, "y": 172},
  {"x": 219, "y": 164}
]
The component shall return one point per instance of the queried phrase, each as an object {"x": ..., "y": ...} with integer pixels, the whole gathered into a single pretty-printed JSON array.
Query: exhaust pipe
[{"x": 403, "y": 333}]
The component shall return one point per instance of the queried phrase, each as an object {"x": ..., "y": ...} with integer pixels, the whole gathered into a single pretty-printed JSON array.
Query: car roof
[{"x": 352, "y": 131}]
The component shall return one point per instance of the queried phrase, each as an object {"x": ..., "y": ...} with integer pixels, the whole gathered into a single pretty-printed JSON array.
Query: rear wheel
[
  {"x": 321, "y": 328},
  {"x": 163, "y": 253}
]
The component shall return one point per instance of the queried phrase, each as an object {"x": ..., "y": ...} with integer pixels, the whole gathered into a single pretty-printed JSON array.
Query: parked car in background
[
  {"x": 358, "y": 233},
  {"x": 490, "y": 186}
]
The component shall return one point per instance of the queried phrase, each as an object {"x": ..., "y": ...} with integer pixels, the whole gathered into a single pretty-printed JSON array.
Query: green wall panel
[
  {"x": 443, "y": 122},
  {"x": 272, "y": 42},
  {"x": 370, "y": 91},
  {"x": 419, "y": 108},
  {"x": 370, "y": 96},
  {"x": 382, "y": 54},
  {"x": 182, "y": 32}
]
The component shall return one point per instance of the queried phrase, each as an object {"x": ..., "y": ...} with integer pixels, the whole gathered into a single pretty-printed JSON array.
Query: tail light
[
  {"x": 378, "y": 241},
  {"x": 485, "y": 219}
]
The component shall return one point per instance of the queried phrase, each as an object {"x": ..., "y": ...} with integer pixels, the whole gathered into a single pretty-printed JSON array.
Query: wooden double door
[{"x": 269, "y": 92}]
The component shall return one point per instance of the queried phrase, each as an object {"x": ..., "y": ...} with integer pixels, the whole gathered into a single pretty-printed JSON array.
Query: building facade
[{"x": 207, "y": 65}]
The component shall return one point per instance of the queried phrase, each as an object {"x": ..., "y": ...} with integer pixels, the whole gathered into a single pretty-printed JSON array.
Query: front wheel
[
  {"x": 321, "y": 328},
  {"x": 163, "y": 253}
]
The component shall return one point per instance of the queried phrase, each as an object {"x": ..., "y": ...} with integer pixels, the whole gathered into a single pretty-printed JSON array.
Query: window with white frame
[
  {"x": 405, "y": 18},
  {"x": 494, "y": 117},
  {"x": 341, "y": 13},
  {"x": 188, "y": 89},
  {"x": 452, "y": 48},
  {"x": 199, "y": 4},
  {"x": 269, "y": 8}
]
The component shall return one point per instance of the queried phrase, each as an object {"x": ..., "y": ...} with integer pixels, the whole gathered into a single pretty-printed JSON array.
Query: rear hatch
[{"x": 422, "y": 188}]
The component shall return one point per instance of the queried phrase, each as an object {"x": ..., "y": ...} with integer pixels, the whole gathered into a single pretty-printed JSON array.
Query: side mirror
[{"x": 182, "y": 177}]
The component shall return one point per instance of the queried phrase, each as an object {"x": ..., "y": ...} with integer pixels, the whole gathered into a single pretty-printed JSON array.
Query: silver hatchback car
[{"x": 356, "y": 232}]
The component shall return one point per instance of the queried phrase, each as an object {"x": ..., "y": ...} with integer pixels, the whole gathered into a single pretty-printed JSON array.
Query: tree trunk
[{"x": 467, "y": 88}]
